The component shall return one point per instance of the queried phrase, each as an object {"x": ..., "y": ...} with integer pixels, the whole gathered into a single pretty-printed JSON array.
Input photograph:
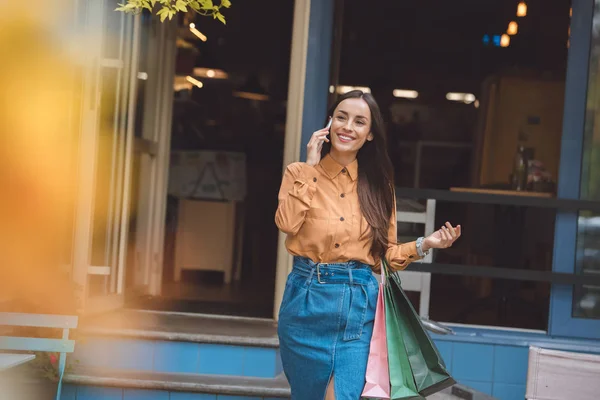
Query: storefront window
[
  {"x": 460, "y": 95},
  {"x": 586, "y": 302}
]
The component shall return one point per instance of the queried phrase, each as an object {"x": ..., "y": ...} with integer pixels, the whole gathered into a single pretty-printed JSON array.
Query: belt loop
[
  {"x": 350, "y": 275},
  {"x": 312, "y": 272}
]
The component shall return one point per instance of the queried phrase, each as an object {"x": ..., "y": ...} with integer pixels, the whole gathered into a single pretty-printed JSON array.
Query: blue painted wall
[
  {"x": 178, "y": 357},
  {"x": 489, "y": 360},
  {"x": 495, "y": 362},
  {"x": 497, "y": 370}
]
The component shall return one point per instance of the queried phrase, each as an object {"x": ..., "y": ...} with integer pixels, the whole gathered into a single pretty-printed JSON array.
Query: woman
[{"x": 338, "y": 211}]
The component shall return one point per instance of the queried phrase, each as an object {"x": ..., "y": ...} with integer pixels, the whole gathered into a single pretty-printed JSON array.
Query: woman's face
[{"x": 351, "y": 126}]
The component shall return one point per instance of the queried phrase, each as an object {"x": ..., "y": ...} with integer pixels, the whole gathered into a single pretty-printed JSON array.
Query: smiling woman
[{"x": 338, "y": 211}]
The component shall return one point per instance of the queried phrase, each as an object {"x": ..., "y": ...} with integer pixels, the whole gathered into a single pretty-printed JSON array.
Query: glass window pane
[
  {"x": 113, "y": 30},
  {"x": 109, "y": 165},
  {"x": 586, "y": 302}
]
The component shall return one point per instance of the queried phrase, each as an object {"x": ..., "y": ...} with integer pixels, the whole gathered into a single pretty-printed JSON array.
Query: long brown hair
[{"x": 375, "y": 174}]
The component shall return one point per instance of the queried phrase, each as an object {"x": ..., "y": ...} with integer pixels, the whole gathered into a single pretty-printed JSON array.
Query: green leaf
[
  {"x": 207, "y": 4},
  {"x": 221, "y": 18},
  {"x": 226, "y": 3},
  {"x": 127, "y": 7},
  {"x": 163, "y": 17},
  {"x": 180, "y": 5}
]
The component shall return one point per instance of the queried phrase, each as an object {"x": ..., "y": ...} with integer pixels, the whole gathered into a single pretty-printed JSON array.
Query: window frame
[{"x": 561, "y": 319}]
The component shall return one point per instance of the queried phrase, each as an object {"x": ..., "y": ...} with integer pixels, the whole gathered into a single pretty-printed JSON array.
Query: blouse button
[
  {"x": 342, "y": 219},
  {"x": 344, "y": 171},
  {"x": 337, "y": 245},
  {"x": 314, "y": 179},
  {"x": 342, "y": 195}
]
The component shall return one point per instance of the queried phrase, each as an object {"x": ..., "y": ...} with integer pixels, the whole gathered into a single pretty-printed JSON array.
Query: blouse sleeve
[
  {"x": 298, "y": 187},
  {"x": 399, "y": 255}
]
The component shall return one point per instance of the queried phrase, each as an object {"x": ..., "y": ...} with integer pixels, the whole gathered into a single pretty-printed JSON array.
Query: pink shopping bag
[{"x": 378, "y": 371}]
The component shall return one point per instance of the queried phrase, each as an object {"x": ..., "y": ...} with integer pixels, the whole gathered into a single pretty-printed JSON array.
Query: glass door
[
  {"x": 149, "y": 138},
  {"x": 106, "y": 153}
]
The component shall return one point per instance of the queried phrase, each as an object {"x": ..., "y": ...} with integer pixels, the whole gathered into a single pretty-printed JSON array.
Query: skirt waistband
[{"x": 352, "y": 272}]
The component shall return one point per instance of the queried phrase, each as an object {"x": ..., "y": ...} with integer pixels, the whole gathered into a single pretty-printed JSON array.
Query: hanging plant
[{"x": 168, "y": 8}]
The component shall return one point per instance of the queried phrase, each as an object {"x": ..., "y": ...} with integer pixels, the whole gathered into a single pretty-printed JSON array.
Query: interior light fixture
[
  {"x": 196, "y": 32},
  {"x": 522, "y": 9},
  {"x": 194, "y": 82},
  {"x": 466, "y": 98},
  {"x": 345, "y": 89},
  {"x": 406, "y": 94},
  {"x": 513, "y": 28},
  {"x": 504, "y": 40},
  {"x": 210, "y": 73}
]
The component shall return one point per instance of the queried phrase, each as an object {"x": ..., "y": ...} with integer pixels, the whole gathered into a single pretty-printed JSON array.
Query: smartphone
[{"x": 329, "y": 123}]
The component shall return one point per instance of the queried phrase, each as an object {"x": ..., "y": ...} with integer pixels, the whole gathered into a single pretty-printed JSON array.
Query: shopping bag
[
  {"x": 377, "y": 378},
  {"x": 427, "y": 366},
  {"x": 402, "y": 382}
]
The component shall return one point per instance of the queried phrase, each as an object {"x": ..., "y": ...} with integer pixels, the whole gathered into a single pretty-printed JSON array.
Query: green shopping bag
[
  {"x": 428, "y": 368},
  {"x": 402, "y": 382}
]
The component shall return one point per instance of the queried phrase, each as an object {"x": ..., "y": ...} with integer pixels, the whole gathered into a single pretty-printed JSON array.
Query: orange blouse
[{"x": 320, "y": 213}]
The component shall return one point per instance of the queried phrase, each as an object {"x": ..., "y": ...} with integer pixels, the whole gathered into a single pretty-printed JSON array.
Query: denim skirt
[{"x": 325, "y": 327}]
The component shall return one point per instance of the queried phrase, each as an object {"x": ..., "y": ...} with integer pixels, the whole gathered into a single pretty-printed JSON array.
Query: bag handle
[{"x": 385, "y": 274}]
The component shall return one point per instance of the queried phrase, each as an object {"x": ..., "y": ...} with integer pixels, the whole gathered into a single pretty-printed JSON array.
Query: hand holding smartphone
[{"x": 315, "y": 144}]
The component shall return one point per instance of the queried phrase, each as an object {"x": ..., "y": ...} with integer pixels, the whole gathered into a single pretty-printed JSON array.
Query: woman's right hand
[{"x": 314, "y": 146}]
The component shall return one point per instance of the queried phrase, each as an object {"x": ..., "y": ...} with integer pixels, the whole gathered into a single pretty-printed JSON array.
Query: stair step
[
  {"x": 191, "y": 383},
  {"x": 179, "y": 343},
  {"x": 187, "y": 327}
]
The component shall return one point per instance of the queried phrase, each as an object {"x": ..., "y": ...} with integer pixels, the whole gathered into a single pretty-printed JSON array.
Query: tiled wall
[
  {"x": 494, "y": 369},
  {"x": 178, "y": 357},
  {"x": 71, "y": 392}
]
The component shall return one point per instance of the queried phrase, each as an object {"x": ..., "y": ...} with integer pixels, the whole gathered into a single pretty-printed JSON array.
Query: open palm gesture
[{"x": 442, "y": 238}]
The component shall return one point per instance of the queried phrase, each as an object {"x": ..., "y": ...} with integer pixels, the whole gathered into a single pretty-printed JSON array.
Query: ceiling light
[
  {"x": 466, "y": 98},
  {"x": 211, "y": 73},
  {"x": 196, "y": 32},
  {"x": 504, "y": 40},
  {"x": 522, "y": 9},
  {"x": 346, "y": 89},
  {"x": 513, "y": 28},
  {"x": 407, "y": 94},
  {"x": 194, "y": 82}
]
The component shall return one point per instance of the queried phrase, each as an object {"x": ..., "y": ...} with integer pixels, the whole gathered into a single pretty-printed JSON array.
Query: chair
[
  {"x": 415, "y": 281},
  {"x": 62, "y": 346}
]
